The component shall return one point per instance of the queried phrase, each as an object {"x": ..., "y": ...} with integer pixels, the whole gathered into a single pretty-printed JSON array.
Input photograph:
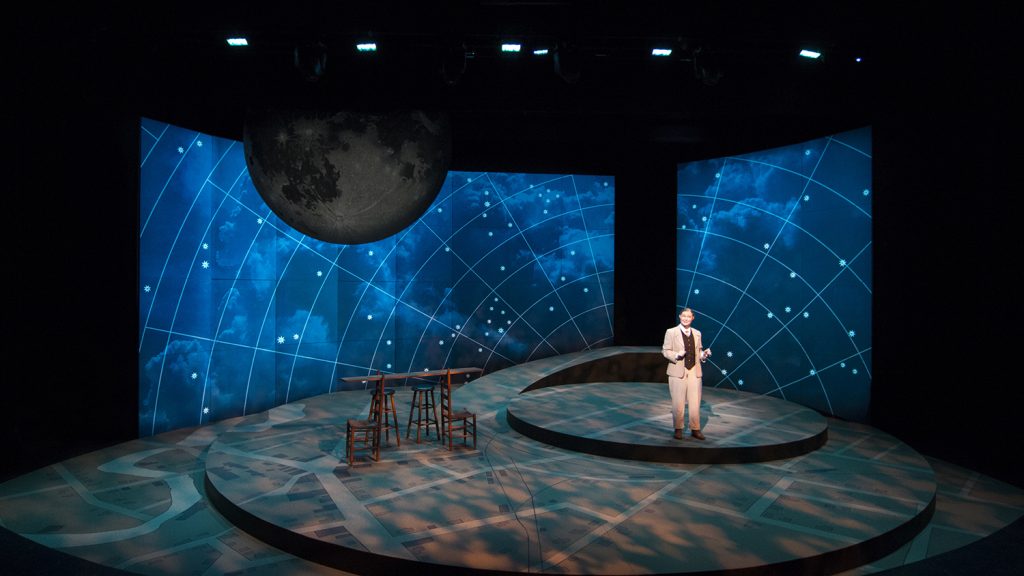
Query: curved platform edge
[{"x": 668, "y": 454}]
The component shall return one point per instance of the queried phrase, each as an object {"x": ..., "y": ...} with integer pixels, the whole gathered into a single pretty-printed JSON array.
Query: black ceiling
[{"x": 733, "y": 80}]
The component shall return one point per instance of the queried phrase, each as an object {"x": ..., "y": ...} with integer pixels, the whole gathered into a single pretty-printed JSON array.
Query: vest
[{"x": 690, "y": 358}]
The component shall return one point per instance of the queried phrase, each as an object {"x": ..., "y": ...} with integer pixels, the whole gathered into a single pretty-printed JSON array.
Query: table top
[{"x": 421, "y": 374}]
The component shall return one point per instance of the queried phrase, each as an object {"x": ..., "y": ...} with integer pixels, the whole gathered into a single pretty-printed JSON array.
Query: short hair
[{"x": 687, "y": 309}]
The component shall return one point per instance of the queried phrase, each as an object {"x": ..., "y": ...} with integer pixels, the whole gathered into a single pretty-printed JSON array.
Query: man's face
[{"x": 685, "y": 317}]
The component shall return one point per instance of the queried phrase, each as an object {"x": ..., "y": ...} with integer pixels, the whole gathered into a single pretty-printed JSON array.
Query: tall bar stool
[
  {"x": 425, "y": 407},
  {"x": 390, "y": 414}
]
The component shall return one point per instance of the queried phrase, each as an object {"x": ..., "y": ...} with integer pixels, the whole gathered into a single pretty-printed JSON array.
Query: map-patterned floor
[{"x": 513, "y": 504}]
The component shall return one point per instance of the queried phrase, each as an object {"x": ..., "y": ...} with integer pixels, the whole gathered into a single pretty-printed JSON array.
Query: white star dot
[
  {"x": 206, "y": 246},
  {"x": 487, "y": 204},
  {"x": 147, "y": 288},
  {"x": 369, "y": 316},
  {"x": 280, "y": 339},
  {"x": 806, "y": 197},
  {"x": 488, "y": 320},
  {"x": 195, "y": 375},
  {"x": 586, "y": 289},
  {"x": 767, "y": 245},
  {"x": 694, "y": 207},
  {"x": 295, "y": 336},
  {"x": 545, "y": 210},
  {"x": 854, "y": 371},
  {"x": 199, "y": 143},
  {"x": 696, "y": 290},
  {"x": 563, "y": 278},
  {"x": 866, "y": 192},
  {"x": 484, "y": 214},
  {"x": 724, "y": 371},
  {"x": 509, "y": 224},
  {"x": 807, "y": 314},
  {"x": 788, "y": 309},
  {"x": 502, "y": 268},
  {"x": 813, "y": 372},
  {"x": 792, "y": 274},
  {"x": 389, "y": 366},
  {"x": 508, "y": 322},
  {"x": 718, "y": 174},
  {"x": 370, "y": 253},
  {"x": 389, "y": 342},
  {"x": 729, "y": 354},
  {"x": 852, "y": 333},
  {"x": 551, "y": 308},
  {"x": 704, "y": 219},
  {"x": 479, "y": 349},
  {"x": 572, "y": 252},
  {"x": 842, "y": 263},
  {"x": 740, "y": 382},
  {"x": 458, "y": 326},
  {"x": 502, "y": 312},
  {"x": 319, "y": 273},
  {"x": 447, "y": 249},
  {"x": 439, "y": 210},
  {"x": 770, "y": 315},
  {"x": 807, "y": 152},
  {"x": 440, "y": 342},
  {"x": 206, "y": 410},
  {"x": 842, "y": 364},
  {"x": 206, "y": 264},
  {"x": 259, "y": 221},
  {"x": 180, "y": 150},
  {"x": 490, "y": 233},
  {"x": 501, "y": 330}
]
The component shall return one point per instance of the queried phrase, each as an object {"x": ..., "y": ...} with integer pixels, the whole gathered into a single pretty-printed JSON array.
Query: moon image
[{"x": 348, "y": 177}]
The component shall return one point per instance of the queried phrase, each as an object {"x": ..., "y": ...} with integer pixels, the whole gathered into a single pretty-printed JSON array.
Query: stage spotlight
[
  {"x": 237, "y": 42},
  {"x": 661, "y": 52},
  {"x": 706, "y": 68},
  {"x": 311, "y": 60},
  {"x": 813, "y": 54},
  {"x": 366, "y": 47},
  {"x": 453, "y": 64},
  {"x": 541, "y": 52},
  {"x": 511, "y": 47},
  {"x": 568, "y": 63}
]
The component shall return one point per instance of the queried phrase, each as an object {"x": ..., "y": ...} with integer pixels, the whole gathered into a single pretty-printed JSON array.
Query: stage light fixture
[
  {"x": 366, "y": 47},
  {"x": 813, "y": 54},
  {"x": 541, "y": 52},
  {"x": 238, "y": 42},
  {"x": 511, "y": 47},
  {"x": 662, "y": 52},
  {"x": 311, "y": 60},
  {"x": 568, "y": 64},
  {"x": 453, "y": 63}
]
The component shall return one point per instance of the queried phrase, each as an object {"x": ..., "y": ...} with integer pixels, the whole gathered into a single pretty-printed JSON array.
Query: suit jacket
[{"x": 675, "y": 345}]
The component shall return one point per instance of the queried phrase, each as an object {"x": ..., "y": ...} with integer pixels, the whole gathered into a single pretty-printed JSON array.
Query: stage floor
[{"x": 513, "y": 504}]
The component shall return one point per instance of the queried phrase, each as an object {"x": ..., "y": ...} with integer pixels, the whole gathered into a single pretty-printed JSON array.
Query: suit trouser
[{"x": 685, "y": 391}]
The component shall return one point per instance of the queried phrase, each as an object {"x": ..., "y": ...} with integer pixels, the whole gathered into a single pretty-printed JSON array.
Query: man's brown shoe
[
  {"x": 679, "y": 434},
  {"x": 697, "y": 434}
]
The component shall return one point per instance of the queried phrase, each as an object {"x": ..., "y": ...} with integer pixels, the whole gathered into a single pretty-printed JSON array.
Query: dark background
[{"x": 940, "y": 92}]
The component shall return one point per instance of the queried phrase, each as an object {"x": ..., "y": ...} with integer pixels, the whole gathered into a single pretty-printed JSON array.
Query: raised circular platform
[
  {"x": 519, "y": 506},
  {"x": 632, "y": 420}
]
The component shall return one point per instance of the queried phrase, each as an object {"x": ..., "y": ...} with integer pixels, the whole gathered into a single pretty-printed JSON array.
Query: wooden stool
[
  {"x": 426, "y": 411},
  {"x": 362, "y": 435},
  {"x": 390, "y": 414}
]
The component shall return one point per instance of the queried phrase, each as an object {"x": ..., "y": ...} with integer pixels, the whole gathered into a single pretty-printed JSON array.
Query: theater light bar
[
  {"x": 511, "y": 47},
  {"x": 661, "y": 52},
  {"x": 237, "y": 42},
  {"x": 810, "y": 53},
  {"x": 540, "y": 52},
  {"x": 366, "y": 47}
]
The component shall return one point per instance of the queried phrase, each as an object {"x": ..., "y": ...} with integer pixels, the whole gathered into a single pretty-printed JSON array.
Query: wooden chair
[
  {"x": 364, "y": 435},
  {"x": 455, "y": 420}
]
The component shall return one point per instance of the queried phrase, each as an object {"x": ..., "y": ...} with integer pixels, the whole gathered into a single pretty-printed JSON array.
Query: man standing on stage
[{"x": 682, "y": 349}]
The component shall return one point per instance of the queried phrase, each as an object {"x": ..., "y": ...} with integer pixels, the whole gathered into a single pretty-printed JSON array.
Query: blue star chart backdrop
[
  {"x": 239, "y": 313},
  {"x": 774, "y": 256}
]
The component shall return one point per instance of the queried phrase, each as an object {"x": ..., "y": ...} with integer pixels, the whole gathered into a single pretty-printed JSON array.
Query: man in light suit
[{"x": 684, "y": 352}]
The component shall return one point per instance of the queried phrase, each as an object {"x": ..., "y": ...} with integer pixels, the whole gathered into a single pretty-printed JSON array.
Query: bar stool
[
  {"x": 426, "y": 411},
  {"x": 390, "y": 414}
]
